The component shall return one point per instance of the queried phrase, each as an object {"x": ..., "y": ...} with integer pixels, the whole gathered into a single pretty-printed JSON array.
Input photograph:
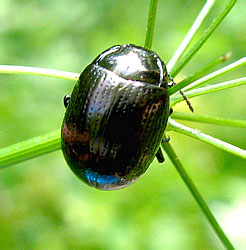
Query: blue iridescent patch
[{"x": 101, "y": 179}]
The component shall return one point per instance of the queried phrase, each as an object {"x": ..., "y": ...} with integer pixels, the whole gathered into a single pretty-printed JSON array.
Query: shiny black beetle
[{"x": 116, "y": 117}]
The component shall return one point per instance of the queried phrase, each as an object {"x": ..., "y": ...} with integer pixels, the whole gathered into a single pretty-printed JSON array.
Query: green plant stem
[
  {"x": 11, "y": 69},
  {"x": 191, "y": 33},
  {"x": 209, "y": 89},
  {"x": 32, "y": 148},
  {"x": 151, "y": 24},
  {"x": 209, "y": 119},
  {"x": 203, "y": 39},
  {"x": 44, "y": 144},
  {"x": 200, "y": 73},
  {"x": 175, "y": 126},
  {"x": 195, "y": 193},
  {"x": 50, "y": 142},
  {"x": 241, "y": 62},
  {"x": 29, "y": 149}
]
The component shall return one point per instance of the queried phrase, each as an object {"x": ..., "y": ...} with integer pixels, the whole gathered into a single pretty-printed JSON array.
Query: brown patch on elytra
[
  {"x": 76, "y": 143},
  {"x": 150, "y": 111},
  {"x": 149, "y": 115},
  {"x": 73, "y": 135}
]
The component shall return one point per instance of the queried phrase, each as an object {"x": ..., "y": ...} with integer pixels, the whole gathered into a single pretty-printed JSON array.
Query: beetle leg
[
  {"x": 166, "y": 140},
  {"x": 160, "y": 156},
  {"x": 172, "y": 83},
  {"x": 66, "y": 100}
]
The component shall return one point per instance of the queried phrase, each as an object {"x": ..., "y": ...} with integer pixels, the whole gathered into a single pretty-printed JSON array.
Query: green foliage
[{"x": 43, "y": 204}]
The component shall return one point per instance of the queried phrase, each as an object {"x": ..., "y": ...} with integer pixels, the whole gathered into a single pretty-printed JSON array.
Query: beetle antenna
[
  {"x": 187, "y": 100},
  {"x": 181, "y": 93}
]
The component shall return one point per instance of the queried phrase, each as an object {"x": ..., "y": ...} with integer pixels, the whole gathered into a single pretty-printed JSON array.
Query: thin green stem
[
  {"x": 214, "y": 25},
  {"x": 200, "y": 73},
  {"x": 44, "y": 144},
  {"x": 209, "y": 89},
  {"x": 29, "y": 149},
  {"x": 151, "y": 24},
  {"x": 173, "y": 125},
  {"x": 191, "y": 33},
  {"x": 209, "y": 119},
  {"x": 10, "y": 69},
  {"x": 32, "y": 148},
  {"x": 196, "y": 194},
  {"x": 235, "y": 65}
]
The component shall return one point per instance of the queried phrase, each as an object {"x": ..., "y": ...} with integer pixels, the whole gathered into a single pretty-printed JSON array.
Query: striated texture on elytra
[{"x": 112, "y": 127}]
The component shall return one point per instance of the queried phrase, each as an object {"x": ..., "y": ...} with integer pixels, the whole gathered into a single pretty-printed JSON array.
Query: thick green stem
[
  {"x": 196, "y": 194},
  {"x": 29, "y": 149}
]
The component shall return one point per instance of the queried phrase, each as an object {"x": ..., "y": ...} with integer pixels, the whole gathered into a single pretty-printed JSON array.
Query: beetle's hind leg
[
  {"x": 159, "y": 155},
  {"x": 171, "y": 111}
]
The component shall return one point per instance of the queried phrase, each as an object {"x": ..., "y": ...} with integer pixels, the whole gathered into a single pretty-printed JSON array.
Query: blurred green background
[{"x": 43, "y": 205}]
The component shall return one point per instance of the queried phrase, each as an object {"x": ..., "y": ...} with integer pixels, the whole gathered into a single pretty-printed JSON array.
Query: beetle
[{"x": 116, "y": 116}]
